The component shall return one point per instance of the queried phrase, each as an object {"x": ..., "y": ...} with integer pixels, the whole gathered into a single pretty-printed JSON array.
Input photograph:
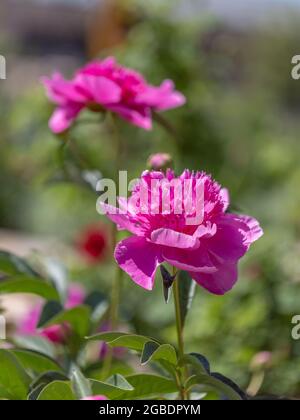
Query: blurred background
[{"x": 232, "y": 60}]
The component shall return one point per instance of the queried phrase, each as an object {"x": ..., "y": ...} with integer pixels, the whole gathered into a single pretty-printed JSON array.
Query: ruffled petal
[
  {"x": 224, "y": 193},
  {"x": 139, "y": 259},
  {"x": 63, "y": 118},
  {"x": 139, "y": 117},
  {"x": 219, "y": 282},
  {"x": 229, "y": 244},
  {"x": 61, "y": 91},
  {"x": 120, "y": 218},
  {"x": 254, "y": 231},
  {"x": 205, "y": 231},
  {"x": 169, "y": 237},
  {"x": 190, "y": 260},
  {"x": 161, "y": 98},
  {"x": 100, "y": 89}
]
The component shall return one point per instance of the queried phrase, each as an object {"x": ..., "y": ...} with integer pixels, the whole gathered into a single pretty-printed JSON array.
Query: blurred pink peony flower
[
  {"x": 55, "y": 333},
  {"x": 75, "y": 297},
  {"x": 209, "y": 250},
  {"x": 160, "y": 161},
  {"x": 93, "y": 243},
  {"x": 105, "y": 85},
  {"x": 95, "y": 398}
]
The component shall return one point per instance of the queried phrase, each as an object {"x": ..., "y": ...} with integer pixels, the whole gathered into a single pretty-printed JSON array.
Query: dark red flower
[{"x": 93, "y": 243}]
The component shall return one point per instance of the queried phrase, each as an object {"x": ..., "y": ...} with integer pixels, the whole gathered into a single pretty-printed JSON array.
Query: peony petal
[
  {"x": 100, "y": 89},
  {"x": 169, "y": 237},
  {"x": 219, "y": 282},
  {"x": 254, "y": 231},
  {"x": 139, "y": 259},
  {"x": 123, "y": 221},
  {"x": 224, "y": 193},
  {"x": 61, "y": 91},
  {"x": 63, "y": 117},
  {"x": 190, "y": 260},
  {"x": 206, "y": 231},
  {"x": 161, "y": 98},
  {"x": 139, "y": 117},
  {"x": 230, "y": 241},
  {"x": 99, "y": 67}
]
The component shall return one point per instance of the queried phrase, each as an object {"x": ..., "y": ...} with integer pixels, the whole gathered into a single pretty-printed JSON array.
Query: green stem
[
  {"x": 178, "y": 318},
  {"x": 167, "y": 126},
  {"x": 113, "y": 318},
  {"x": 179, "y": 328},
  {"x": 115, "y": 294},
  {"x": 116, "y": 287}
]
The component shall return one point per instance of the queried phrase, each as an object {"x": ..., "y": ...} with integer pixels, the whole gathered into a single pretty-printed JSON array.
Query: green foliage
[
  {"x": 35, "y": 362},
  {"x": 81, "y": 386},
  {"x": 24, "y": 284},
  {"x": 78, "y": 318},
  {"x": 14, "y": 381},
  {"x": 57, "y": 390}
]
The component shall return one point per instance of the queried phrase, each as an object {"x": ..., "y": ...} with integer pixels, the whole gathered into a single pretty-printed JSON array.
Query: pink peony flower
[
  {"x": 105, "y": 85},
  {"x": 209, "y": 250},
  {"x": 55, "y": 333},
  {"x": 160, "y": 161},
  {"x": 95, "y": 398}
]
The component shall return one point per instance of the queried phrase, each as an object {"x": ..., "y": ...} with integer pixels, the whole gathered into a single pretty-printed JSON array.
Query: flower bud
[
  {"x": 160, "y": 161},
  {"x": 261, "y": 360}
]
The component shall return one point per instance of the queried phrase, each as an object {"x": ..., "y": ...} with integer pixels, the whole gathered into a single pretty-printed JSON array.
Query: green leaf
[
  {"x": 198, "y": 361},
  {"x": 42, "y": 381},
  {"x": 113, "y": 388},
  {"x": 12, "y": 264},
  {"x": 214, "y": 380},
  {"x": 95, "y": 370},
  {"x": 147, "y": 385},
  {"x": 187, "y": 288},
  {"x": 35, "y": 343},
  {"x": 35, "y": 362},
  {"x": 78, "y": 318},
  {"x": 34, "y": 394},
  {"x": 14, "y": 381},
  {"x": 50, "y": 309},
  {"x": 107, "y": 337},
  {"x": 153, "y": 351},
  {"x": 228, "y": 387},
  {"x": 57, "y": 391},
  {"x": 130, "y": 341},
  {"x": 120, "y": 382},
  {"x": 25, "y": 284},
  {"x": 81, "y": 386}
]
